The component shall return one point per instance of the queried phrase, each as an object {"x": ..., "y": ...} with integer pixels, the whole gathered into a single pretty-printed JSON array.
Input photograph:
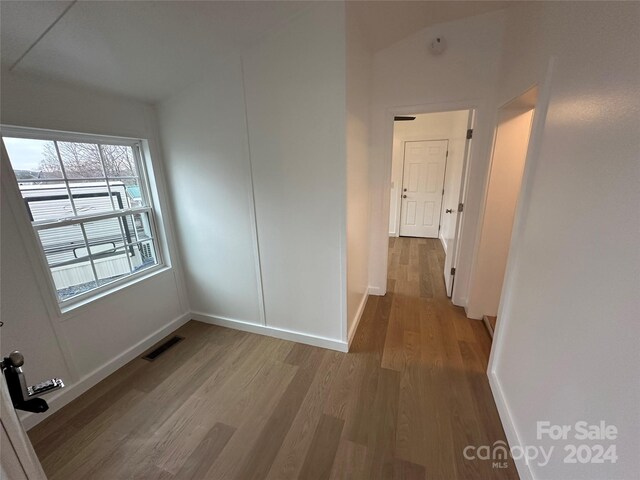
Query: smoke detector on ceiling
[{"x": 437, "y": 46}]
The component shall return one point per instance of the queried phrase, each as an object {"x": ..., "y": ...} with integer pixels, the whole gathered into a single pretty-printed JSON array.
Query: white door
[
  {"x": 453, "y": 252},
  {"x": 18, "y": 461},
  {"x": 422, "y": 184}
]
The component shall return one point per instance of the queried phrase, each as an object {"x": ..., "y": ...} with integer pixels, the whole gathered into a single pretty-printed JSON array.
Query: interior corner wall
[
  {"x": 205, "y": 145},
  {"x": 359, "y": 62},
  {"x": 295, "y": 100},
  {"x": 256, "y": 155},
  {"x": 93, "y": 341},
  {"x": 450, "y": 126},
  {"x": 567, "y": 335},
  {"x": 406, "y": 76}
]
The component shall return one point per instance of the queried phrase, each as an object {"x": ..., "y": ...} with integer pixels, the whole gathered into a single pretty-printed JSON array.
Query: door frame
[
  {"x": 544, "y": 84},
  {"x": 522, "y": 205},
  {"x": 473, "y": 105},
  {"x": 400, "y": 190},
  {"x": 503, "y": 107}
]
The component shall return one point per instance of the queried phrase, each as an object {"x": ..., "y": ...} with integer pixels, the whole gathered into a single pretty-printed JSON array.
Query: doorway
[
  {"x": 511, "y": 143},
  {"x": 429, "y": 159}
]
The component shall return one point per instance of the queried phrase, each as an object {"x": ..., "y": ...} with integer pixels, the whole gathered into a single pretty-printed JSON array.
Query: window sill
[{"x": 73, "y": 309}]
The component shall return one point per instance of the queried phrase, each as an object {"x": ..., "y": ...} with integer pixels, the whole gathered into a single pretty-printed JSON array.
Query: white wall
[
  {"x": 507, "y": 165},
  {"x": 359, "y": 61},
  {"x": 204, "y": 140},
  {"x": 295, "y": 93},
  {"x": 450, "y": 126},
  {"x": 256, "y": 156},
  {"x": 95, "y": 339},
  {"x": 567, "y": 333},
  {"x": 407, "y": 79}
]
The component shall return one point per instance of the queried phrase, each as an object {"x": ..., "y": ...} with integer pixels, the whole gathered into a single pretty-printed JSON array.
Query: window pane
[
  {"x": 81, "y": 160},
  {"x": 46, "y": 201},
  {"x": 33, "y": 159},
  {"x": 91, "y": 197},
  {"x": 67, "y": 291},
  {"x": 143, "y": 256},
  {"x": 65, "y": 247},
  {"x": 126, "y": 193},
  {"x": 111, "y": 266},
  {"x": 106, "y": 235},
  {"x": 119, "y": 161},
  {"x": 138, "y": 225},
  {"x": 63, "y": 244}
]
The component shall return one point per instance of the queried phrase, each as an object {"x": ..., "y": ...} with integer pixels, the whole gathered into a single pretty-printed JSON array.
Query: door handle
[
  {"x": 448, "y": 210},
  {"x": 404, "y": 196},
  {"x": 22, "y": 396}
]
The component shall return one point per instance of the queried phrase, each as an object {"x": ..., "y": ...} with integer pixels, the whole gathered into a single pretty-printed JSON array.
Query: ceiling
[
  {"x": 143, "y": 49},
  {"x": 387, "y": 22},
  {"x": 151, "y": 49}
]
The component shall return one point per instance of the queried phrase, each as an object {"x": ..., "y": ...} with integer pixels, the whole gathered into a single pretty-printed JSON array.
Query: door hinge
[
  {"x": 470, "y": 134},
  {"x": 460, "y": 207},
  {"x": 443, "y": 191},
  {"x": 447, "y": 155},
  {"x": 453, "y": 270}
]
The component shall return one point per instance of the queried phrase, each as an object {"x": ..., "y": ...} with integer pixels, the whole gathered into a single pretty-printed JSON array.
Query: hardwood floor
[{"x": 224, "y": 404}]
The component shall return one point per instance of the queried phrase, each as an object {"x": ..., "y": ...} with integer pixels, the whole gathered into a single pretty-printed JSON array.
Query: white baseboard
[
  {"x": 444, "y": 244},
  {"x": 70, "y": 392},
  {"x": 281, "y": 333},
  {"x": 378, "y": 291},
  {"x": 472, "y": 315},
  {"x": 359, "y": 312},
  {"x": 524, "y": 470},
  {"x": 487, "y": 323}
]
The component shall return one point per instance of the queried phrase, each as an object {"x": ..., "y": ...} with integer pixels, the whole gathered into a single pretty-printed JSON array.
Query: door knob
[
  {"x": 25, "y": 397},
  {"x": 16, "y": 359},
  {"x": 404, "y": 196},
  {"x": 448, "y": 210}
]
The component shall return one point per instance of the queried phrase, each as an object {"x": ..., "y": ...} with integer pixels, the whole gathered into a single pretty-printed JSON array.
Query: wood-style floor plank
[
  {"x": 301, "y": 435},
  {"x": 224, "y": 404},
  {"x": 322, "y": 452},
  {"x": 201, "y": 459},
  {"x": 349, "y": 461}
]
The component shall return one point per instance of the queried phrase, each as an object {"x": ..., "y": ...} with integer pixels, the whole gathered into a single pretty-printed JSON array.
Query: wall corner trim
[
  {"x": 314, "y": 340},
  {"x": 378, "y": 291},
  {"x": 359, "y": 312},
  {"x": 524, "y": 470},
  {"x": 443, "y": 243}
]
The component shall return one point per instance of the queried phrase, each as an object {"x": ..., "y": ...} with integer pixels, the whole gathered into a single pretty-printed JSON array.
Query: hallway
[
  {"x": 228, "y": 404},
  {"x": 440, "y": 356}
]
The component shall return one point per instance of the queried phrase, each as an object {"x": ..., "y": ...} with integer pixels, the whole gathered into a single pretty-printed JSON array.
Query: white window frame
[{"x": 145, "y": 182}]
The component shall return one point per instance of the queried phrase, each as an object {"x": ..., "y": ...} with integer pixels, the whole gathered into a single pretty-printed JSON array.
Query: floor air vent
[{"x": 156, "y": 352}]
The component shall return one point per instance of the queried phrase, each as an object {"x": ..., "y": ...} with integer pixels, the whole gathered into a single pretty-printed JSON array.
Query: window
[{"x": 88, "y": 202}]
